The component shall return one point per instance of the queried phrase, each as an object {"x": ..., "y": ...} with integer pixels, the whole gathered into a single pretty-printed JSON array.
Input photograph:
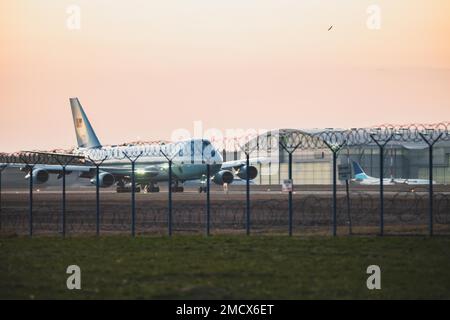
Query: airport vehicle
[
  {"x": 362, "y": 178},
  {"x": 152, "y": 166}
]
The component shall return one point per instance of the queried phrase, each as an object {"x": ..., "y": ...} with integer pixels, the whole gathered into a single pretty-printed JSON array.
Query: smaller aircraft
[{"x": 362, "y": 178}]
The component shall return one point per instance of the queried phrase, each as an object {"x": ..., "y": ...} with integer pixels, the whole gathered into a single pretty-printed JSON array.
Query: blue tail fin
[
  {"x": 359, "y": 172},
  {"x": 357, "y": 168},
  {"x": 85, "y": 134}
]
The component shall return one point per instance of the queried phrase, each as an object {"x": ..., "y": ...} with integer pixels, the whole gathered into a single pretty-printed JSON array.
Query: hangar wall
[{"x": 315, "y": 166}]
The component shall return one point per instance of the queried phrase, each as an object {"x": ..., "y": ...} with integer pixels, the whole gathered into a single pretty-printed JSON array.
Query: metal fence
[{"x": 297, "y": 212}]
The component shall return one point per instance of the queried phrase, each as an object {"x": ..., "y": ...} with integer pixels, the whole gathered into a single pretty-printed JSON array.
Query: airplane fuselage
[
  {"x": 367, "y": 180},
  {"x": 145, "y": 164},
  {"x": 189, "y": 160}
]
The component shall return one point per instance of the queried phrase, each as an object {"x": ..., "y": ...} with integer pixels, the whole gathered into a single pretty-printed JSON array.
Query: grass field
[{"x": 225, "y": 267}]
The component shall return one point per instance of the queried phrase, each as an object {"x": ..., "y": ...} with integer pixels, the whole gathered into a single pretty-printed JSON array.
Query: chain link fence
[{"x": 377, "y": 211}]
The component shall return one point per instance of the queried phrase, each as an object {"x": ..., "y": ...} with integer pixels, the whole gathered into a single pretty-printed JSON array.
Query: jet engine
[
  {"x": 250, "y": 170},
  {"x": 40, "y": 176},
  {"x": 223, "y": 176},
  {"x": 105, "y": 180}
]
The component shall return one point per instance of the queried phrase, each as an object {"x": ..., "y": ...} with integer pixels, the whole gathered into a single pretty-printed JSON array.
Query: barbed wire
[{"x": 288, "y": 139}]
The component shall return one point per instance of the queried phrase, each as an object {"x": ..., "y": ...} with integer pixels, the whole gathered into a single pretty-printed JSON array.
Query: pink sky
[{"x": 145, "y": 68}]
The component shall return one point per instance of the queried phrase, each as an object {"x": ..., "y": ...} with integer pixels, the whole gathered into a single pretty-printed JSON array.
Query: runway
[
  {"x": 236, "y": 190},
  {"x": 218, "y": 193}
]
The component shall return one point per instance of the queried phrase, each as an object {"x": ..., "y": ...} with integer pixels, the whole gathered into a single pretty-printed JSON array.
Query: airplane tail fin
[
  {"x": 359, "y": 172},
  {"x": 86, "y": 136}
]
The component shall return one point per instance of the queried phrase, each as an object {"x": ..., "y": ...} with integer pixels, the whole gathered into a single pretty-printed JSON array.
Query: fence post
[
  {"x": 430, "y": 142},
  {"x": 335, "y": 151},
  {"x": 133, "y": 191},
  {"x": 2, "y": 167},
  {"x": 30, "y": 213},
  {"x": 290, "y": 194},
  {"x": 430, "y": 187},
  {"x": 97, "y": 200},
  {"x": 381, "y": 190},
  {"x": 347, "y": 192},
  {"x": 247, "y": 150},
  {"x": 97, "y": 192},
  {"x": 334, "y": 194},
  {"x": 247, "y": 178},
  {"x": 169, "y": 183},
  {"x": 290, "y": 144},
  {"x": 30, "y": 195},
  {"x": 64, "y": 171},
  {"x": 208, "y": 199},
  {"x": 381, "y": 144},
  {"x": 133, "y": 199},
  {"x": 64, "y": 202},
  {"x": 335, "y": 148}
]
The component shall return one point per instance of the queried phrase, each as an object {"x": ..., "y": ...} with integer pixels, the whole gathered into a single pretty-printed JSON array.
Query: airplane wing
[
  {"x": 87, "y": 170},
  {"x": 228, "y": 165},
  {"x": 373, "y": 182},
  {"x": 400, "y": 181},
  {"x": 51, "y": 168},
  {"x": 412, "y": 181},
  {"x": 57, "y": 154}
]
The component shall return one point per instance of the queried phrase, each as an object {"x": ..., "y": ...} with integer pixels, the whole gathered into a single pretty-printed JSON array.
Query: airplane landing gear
[
  {"x": 176, "y": 187},
  {"x": 151, "y": 188},
  {"x": 126, "y": 188},
  {"x": 201, "y": 189}
]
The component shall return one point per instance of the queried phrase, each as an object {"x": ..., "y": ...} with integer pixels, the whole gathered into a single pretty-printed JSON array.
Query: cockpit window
[
  {"x": 207, "y": 148},
  {"x": 206, "y": 143}
]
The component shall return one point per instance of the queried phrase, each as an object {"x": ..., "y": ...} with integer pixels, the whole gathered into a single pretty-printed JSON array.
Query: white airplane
[
  {"x": 189, "y": 161},
  {"x": 362, "y": 178}
]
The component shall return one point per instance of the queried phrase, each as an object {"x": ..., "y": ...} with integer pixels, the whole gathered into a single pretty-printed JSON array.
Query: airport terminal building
[{"x": 314, "y": 166}]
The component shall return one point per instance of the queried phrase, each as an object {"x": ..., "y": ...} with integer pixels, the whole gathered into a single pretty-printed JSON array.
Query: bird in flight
[{"x": 331, "y": 27}]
